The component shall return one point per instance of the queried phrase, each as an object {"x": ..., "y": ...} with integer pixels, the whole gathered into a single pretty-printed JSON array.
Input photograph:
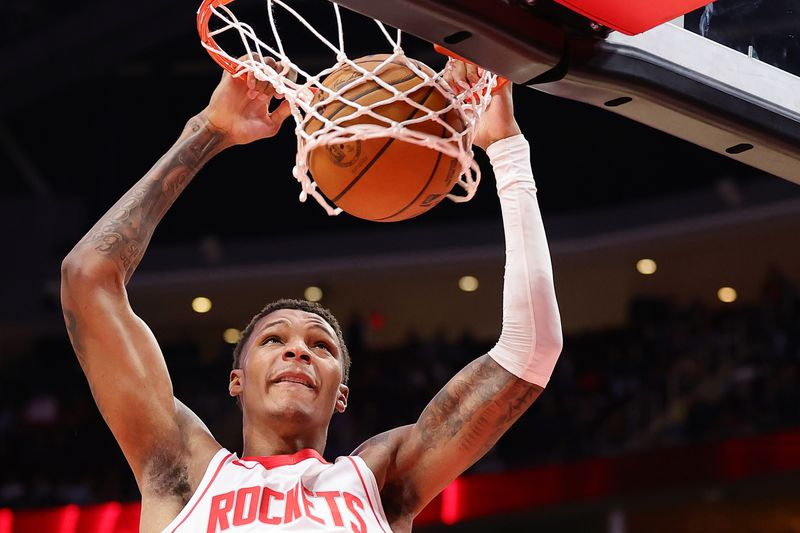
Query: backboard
[{"x": 668, "y": 77}]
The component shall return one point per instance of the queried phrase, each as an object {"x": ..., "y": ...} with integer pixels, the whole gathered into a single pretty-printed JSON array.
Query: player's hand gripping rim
[
  {"x": 498, "y": 121},
  {"x": 240, "y": 107}
]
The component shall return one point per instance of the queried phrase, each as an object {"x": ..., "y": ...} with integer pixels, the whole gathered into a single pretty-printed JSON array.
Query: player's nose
[{"x": 297, "y": 350}]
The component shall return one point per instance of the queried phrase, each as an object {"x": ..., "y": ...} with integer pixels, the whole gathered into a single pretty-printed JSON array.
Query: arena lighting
[
  {"x": 468, "y": 283},
  {"x": 313, "y": 294},
  {"x": 201, "y": 304},
  {"x": 451, "y": 502},
  {"x": 6, "y": 519},
  {"x": 231, "y": 335},
  {"x": 646, "y": 266},
  {"x": 726, "y": 295}
]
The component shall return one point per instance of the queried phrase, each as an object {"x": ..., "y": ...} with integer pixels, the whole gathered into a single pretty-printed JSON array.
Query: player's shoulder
[
  {"x": 380, "y": 454},
  {"x": 379, "y": 451},
  {"x": 383, "y": 441}
]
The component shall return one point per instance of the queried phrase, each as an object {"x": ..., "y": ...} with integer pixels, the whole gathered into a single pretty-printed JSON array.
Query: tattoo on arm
[
  {"x": 484, "y": 400},
  {"x": 125, "y": 230}
]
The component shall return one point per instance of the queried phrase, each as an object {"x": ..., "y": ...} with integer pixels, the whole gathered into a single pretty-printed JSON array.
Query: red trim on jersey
[
  {"x": 369, "y": 500},
  {"x": 211, "y": 482},
  {"x": 274, "y": 461}
]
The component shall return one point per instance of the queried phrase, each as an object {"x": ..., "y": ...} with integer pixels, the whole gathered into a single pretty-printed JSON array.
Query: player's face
[{"x": 292, "y": 369}]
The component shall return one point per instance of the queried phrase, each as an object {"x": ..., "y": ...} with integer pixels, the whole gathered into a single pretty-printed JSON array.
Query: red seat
[{"x": 632, "y": 17}]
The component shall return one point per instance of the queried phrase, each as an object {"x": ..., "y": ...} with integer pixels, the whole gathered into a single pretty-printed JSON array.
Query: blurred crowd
[{"x": 672, "y": 375}]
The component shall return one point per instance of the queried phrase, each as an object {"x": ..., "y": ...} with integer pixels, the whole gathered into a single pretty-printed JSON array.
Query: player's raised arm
[
  {"x": 468, "y": 416},
  {"x": 117, "y": 351}
]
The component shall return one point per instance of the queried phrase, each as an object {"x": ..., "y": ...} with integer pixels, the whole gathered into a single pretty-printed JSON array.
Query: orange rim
[
  {"x": 203, "y": 18},
  {"x": 445, "y": 52}
]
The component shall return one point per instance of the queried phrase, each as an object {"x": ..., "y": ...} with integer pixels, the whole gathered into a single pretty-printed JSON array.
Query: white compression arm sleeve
[{"x": 531, "y": 339}]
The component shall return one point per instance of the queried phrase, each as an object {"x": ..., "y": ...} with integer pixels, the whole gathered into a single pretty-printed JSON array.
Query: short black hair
[{"x": 302, "y": 305}]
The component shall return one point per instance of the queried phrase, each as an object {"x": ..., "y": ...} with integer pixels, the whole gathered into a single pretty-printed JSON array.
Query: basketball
[{"x": 383, "y": 179}]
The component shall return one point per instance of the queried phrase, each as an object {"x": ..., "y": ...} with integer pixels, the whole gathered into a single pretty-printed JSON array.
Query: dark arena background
[{"x": 675, "y": 406}]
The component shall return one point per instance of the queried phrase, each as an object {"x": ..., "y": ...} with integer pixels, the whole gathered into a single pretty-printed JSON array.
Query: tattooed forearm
[
  {"x": 478, "y": 406},
  {"x": 125, "y": 231}
]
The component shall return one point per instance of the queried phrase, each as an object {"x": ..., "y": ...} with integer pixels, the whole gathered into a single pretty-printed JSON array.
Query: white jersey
[{"x": 298, "y": 492}]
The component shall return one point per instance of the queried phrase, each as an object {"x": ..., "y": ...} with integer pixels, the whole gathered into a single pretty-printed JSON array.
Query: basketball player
[{"x": 291, "y": 365}]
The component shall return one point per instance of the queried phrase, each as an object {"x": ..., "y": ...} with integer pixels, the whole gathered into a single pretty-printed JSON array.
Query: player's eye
[
  {"x": 323, "y": 346},
  {"x": 272, "y": 339}
]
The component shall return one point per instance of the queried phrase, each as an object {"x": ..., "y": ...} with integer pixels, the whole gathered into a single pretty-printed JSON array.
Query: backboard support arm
[{"x": 668, "y": 78}]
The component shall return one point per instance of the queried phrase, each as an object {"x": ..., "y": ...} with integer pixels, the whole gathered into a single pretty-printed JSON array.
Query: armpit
[{"x": 167, "y": 475}]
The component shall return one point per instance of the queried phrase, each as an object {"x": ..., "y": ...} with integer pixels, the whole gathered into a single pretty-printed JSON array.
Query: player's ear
[
  {"x": 341, "y": 398},
  {"x": 236, "y": 385}
]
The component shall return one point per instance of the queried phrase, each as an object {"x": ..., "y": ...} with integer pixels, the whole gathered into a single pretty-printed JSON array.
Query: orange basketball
[{"x": 383, "y": 179}]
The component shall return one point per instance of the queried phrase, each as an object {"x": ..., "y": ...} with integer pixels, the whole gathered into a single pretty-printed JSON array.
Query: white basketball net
[{"x": 468, "y": 105}]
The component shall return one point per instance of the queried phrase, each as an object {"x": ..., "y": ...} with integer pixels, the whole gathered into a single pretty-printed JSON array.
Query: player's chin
[{"x": 291, "y": 405}]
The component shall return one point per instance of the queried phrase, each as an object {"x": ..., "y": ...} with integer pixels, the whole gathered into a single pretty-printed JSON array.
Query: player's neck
[{"x": 265, "y": 440}]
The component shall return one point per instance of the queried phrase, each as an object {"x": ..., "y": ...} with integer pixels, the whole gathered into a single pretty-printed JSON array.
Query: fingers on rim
[
  {"x": 279, "y": 114},
  {"x": 458, "y": 75},
  {"x": 472, "y": 73},
  {"x": 286, "y": 70}
]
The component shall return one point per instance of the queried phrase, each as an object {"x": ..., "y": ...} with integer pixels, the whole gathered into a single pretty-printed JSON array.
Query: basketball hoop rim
[
  {"x": 446, "y": 52},
  {"x": 204, "y": 16}
]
